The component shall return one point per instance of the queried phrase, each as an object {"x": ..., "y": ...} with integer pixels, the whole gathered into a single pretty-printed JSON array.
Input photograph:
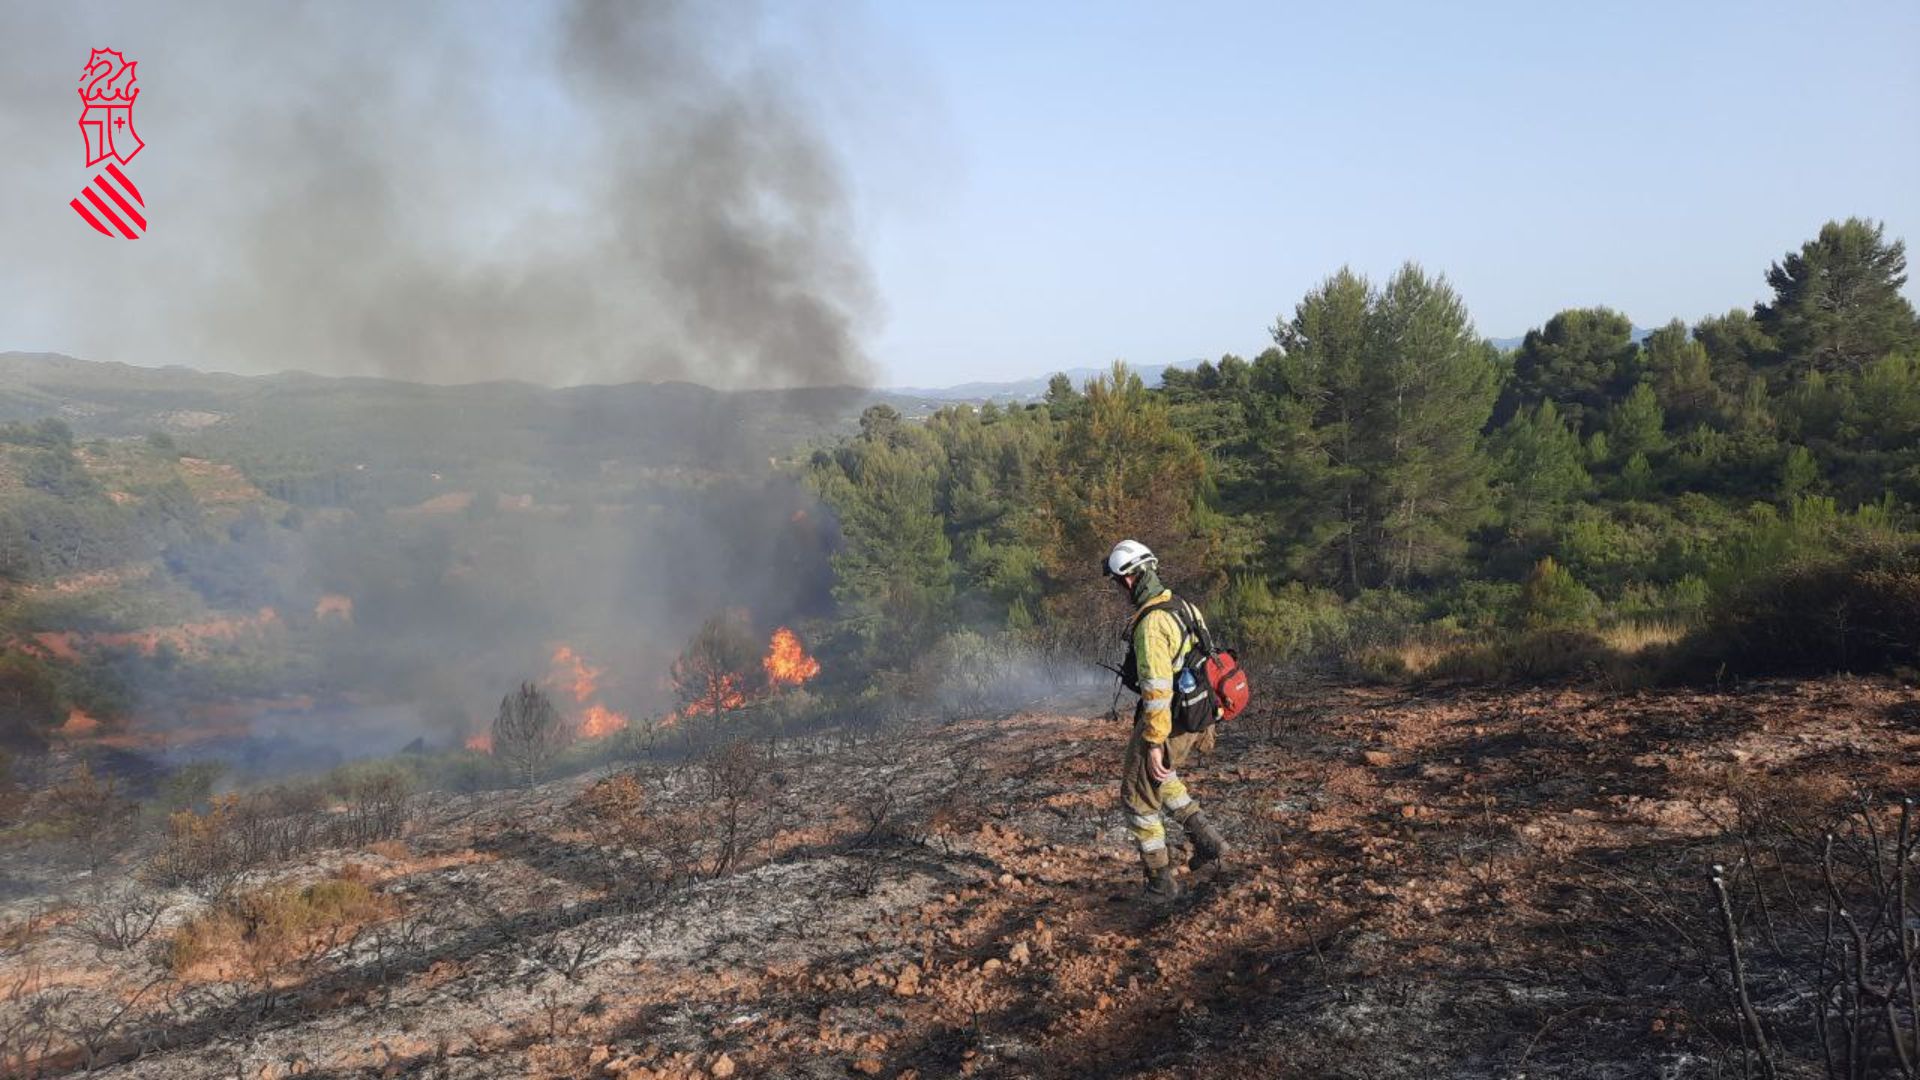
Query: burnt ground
[{"x": 1458, "y": 884}]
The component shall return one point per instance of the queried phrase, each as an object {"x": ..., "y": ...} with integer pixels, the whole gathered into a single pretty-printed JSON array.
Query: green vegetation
[
  {"x": 1382, "y": 492},
  {"x": 1385, "y": 490}
]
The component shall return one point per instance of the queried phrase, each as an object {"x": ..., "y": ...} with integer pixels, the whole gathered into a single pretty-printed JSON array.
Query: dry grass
[
  {"x": 1630, "y": 638},
  {"x": 269, "y": 927},
  {"x": 1407, "y": 658},
  {"x": 1419, "y": 655},
  {"x": 391, "y": 850}
]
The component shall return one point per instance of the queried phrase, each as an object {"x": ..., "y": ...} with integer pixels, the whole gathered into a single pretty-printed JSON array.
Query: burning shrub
[
  {"x": 528, "y": 732},
  {"x": 719, "y": 668}
]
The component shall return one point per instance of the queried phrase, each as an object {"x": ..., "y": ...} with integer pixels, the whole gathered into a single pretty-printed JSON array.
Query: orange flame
[
  {"x": 334, "y": 606},
  {"x": 482, "y": 742},
  {"x": 599, "y": 721},
  {"x": 572, "y": 671},
  {"x": 79, "y": 723},
  {"x": 722, "y": 694},
  {"x": 787, "y": 662}
]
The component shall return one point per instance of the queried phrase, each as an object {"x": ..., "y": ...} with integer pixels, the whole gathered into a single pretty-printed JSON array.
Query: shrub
[
  {"x": 210, "y": 851},
  {"x": 189, "y": 787},
  {"x": 1856, "y": 608},
  {"x": 1274, "y": 627},
  {"x": 1552, "y": 596},
  {"x": 91, "y": 814},
  {"x": 962, "y": 673},
  {"x": 273, "y": 925},
  {"x": 375, "y": 797},
  {"x": 464, "y": 772},
  {"x": 612, "y": 800},
  {"x": 1538, "y": 655},
  {"x": 117, "y": 922},
  {"x": 1478, "y": 605}
]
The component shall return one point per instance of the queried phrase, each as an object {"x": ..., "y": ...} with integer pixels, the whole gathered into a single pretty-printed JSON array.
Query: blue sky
[
  {"x": 1157, "y": 182},
  {"x": 1032, "y": 186}
]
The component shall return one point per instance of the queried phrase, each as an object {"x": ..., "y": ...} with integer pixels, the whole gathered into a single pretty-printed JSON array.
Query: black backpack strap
[
  {"x": 1188, "y": 616},
  {"x": 1197, "y": 626},
  {"x": 1184, "y": 613}
]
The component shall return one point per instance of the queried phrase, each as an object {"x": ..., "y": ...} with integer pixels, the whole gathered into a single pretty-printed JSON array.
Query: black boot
[
  {"x": 1161, "y": 887},
  {"x": 1208, "y": 844}
]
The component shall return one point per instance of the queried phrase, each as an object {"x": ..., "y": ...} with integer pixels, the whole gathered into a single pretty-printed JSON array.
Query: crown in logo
[{"x": 109, "y": 78}]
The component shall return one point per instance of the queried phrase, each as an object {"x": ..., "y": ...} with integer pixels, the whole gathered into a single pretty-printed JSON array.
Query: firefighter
[{"x": 1150, "y": 788}]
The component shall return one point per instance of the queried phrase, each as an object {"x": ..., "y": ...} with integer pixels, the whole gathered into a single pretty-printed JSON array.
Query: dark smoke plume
[{"x": 586, "y": 191}]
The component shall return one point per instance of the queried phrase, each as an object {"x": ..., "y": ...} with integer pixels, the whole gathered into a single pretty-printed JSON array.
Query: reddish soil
[{"x": 1461, "y": 884}]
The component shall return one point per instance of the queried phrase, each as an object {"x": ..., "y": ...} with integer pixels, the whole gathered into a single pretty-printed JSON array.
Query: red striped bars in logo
[{"x": 111, "y": 204}]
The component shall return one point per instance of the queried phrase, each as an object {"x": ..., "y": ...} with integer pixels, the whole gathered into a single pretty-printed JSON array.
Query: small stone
[
  {"x": 1409, "y": 811},
  {"x": 868, "y": 1066},
  {"x": 992, "y": 964},
  {"x": 722, "y": 1067},
  {"x": 1019, "y": 953},
  {"x": 1379, "y": 759},
  {"x": 1006, "y": 879}
]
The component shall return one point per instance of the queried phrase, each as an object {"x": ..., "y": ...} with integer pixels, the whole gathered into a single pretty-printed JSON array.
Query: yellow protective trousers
[{"x": 1143, "y": 801}]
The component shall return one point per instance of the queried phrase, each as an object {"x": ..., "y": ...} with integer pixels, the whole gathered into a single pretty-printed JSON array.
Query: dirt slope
[{"x": 1466, "y": 884}]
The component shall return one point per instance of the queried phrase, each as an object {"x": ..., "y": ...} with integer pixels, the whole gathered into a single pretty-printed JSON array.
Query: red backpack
[{"x": 1217, "y": 688}]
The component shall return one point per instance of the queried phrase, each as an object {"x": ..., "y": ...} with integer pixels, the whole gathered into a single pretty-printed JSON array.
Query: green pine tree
[
  {"x": 1836, "y": 302},
  {"x": 1579, "y": 359},
  {"x": 1540, "y": 469},
  {"x": 1428, "y": 390},
  {"x": 1638, "y": 424}
]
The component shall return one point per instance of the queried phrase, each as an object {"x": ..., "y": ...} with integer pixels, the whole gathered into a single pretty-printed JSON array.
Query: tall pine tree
[
  {"x": 1836, "y": 302},
  {"x": 1370, "y": 416}
]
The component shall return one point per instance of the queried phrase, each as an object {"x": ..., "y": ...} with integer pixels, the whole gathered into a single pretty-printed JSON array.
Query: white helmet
[{"x": 1128, "y": 557}]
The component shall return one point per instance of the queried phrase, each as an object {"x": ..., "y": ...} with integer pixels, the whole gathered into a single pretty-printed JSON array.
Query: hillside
[
  {"x": 387, "y": 425},
  {"x": 1460, "y": 885}
]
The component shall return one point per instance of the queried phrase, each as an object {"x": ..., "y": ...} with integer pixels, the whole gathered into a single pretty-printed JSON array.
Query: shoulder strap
[
  {"x": 1188, "y": 616},
  {"x": 1195, "y": 624},
  {"x": 1169, "y": 604}
]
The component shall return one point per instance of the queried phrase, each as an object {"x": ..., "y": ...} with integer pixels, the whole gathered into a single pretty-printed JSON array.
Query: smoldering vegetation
[
  {"x": 575, "y": 191},
  {"x": 362, "y": 632}
]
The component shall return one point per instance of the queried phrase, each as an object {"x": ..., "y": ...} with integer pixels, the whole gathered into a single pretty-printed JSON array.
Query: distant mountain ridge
[
  {"x": 1508, "y": 344},
  {"x": 1020, "y": 390},
  {"x": 303, "y": 421}
]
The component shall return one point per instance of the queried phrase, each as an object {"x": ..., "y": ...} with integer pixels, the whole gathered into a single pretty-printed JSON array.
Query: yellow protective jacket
[{"x": 1160, "y": 646}]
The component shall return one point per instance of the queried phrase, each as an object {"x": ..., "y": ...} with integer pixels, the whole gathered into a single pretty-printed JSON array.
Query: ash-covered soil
[{"x": 1461, "y": 884}]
